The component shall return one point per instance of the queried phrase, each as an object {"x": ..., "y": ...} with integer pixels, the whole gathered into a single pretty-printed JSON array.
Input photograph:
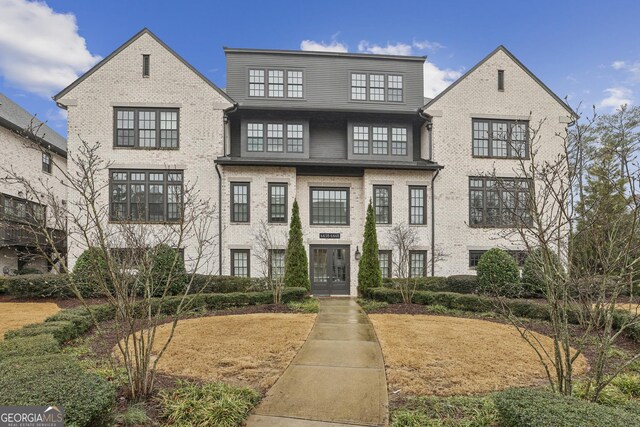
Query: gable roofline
[
  {"x": 228, "y": 50},
  {"x": 126, "y": 44},
  {"x": 520, "y": 64}
]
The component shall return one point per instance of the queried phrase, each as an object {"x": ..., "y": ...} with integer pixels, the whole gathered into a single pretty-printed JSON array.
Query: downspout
[
  {"x": 433, "y": 224},
  {"x": 225, "y": 143}
]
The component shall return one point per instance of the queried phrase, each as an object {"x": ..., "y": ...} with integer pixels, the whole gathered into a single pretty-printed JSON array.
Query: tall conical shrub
[
  {"x": 369, "y": 274},
  {"x": 296, "y": 266}
]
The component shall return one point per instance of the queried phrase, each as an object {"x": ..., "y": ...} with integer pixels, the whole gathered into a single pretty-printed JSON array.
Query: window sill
[
  {"x": 117, "y": 147},
  {"x": 500, "y": 158},
  {"x": 112, "y": 221},
  {"x": 240, "y": 222},
  {"x": 329, "y": 226}
]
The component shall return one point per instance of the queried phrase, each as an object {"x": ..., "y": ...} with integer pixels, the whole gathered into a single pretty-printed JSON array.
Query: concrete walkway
[{"x": 336, "y": 379}]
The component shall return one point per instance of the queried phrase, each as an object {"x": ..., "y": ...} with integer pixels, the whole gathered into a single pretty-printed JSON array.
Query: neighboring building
[
  {"x": 330, "y": 130},
  {"x": 36, "y": 152}
]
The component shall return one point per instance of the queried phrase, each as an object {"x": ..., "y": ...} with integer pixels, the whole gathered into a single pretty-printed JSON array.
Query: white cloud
[
  {"x": 390, "y": 49},
  {"x": 333, "y": 46},
  {"x": 618, "y": 65},
  {"x": 437, "y": 79},
  {"x": 40, "y": 49},
  {"x": 427, "y": 45},
  {"x": 617, "y": 96}
]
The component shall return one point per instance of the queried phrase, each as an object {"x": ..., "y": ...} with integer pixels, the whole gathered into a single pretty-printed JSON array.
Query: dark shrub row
[
  {"x": 57, "y": 285},
  {"x": 60, "y": 380},
  {"x": 538, "y": 408},
  {"x": 462, "y": 284}
]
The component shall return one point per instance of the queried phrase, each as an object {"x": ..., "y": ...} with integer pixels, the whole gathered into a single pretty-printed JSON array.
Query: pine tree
[
  {"x": 296, "y": 266},
  {"x": 369, "y": 274}
]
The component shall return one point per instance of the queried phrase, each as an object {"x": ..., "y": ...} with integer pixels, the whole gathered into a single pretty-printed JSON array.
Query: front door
[{"x": 329, "y": 270}]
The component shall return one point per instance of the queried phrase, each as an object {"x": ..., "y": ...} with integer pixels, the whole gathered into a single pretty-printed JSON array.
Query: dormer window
[
  {"x": 377, "y": 87},
  {"x": 276, "y": 83},
  {"x": 146, "y": 63}
]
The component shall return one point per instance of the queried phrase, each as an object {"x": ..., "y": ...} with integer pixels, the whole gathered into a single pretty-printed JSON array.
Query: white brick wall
[
  {"x": 478, "y": 96},
  {"x": 119, "y": 82}
]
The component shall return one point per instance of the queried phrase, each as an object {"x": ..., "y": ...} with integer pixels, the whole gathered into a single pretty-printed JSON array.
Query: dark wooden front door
[{"x": 329, "y": 270}]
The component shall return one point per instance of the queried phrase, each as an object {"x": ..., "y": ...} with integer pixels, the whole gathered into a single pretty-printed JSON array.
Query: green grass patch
[
  {"x": 214, "y": 404},
  {"x": 369, "y": 305},
  {"x": 308, "y": 305},
  {"x": 467, "y": 411},
  {"x": 134, "y": 415}
]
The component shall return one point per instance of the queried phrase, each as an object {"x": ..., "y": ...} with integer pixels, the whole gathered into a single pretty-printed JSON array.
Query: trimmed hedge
[
  {"x": 464, "y": 302},
  {"x": 61, "y": 330},
  {"x": 225, "y": 284},
  {"x": 29, "y": 346},
  {"x": 462, "y": 284},
  {"x": 538, "y": 408},
  {"x": 39, "y": 286},
  {"x": 57, "y": 379}
]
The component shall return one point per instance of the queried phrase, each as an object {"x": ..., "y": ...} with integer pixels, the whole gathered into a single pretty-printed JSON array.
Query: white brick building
[
  {"x": 329, "y": 130},
  {"x": 35, "y": 152}
]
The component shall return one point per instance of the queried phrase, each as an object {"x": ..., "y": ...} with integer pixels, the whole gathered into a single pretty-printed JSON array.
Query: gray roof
[
  {"x": 324, "y": 53},
  {"x": 14, "y": 117}
]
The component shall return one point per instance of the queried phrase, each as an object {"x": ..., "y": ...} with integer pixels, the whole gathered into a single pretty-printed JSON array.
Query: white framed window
[
  {"x": 275, "y": 137},
  {"x": 256, "y": 82},
  {"x": 394, "y": 88},
  {"x": 361, "y": 140},
  {"x": 276, "y": 83},
  {"x": 359, "y": 87},
  {"x": 255, "y": 137},
  {"x": 376, "y": 87},
  {"x": 294, "y": 84}
]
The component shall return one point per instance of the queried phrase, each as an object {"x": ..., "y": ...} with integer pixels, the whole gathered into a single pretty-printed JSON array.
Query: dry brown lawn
[
  {"x": 14, "y": 315},
  {"x": 438, "y": 355},
  {"x": 249, "y": 349}
]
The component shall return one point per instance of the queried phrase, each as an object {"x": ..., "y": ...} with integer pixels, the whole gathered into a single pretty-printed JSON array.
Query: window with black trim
[
  {"x": 276, "y": 83},
  {"x": 146, "y": 195},
  {"x": 240, "y": 263},
  {"x": 146, "y": 65},
  {"x": 17, "y": 209},
  {"x": 498, "y": 202},
  {"x": 278, "y": 203},
  {"x": 378, "y": 87},
  {"x": 280, "y": 137},
  {"x": 417, "y": 204},
  {"x": 500, "y": 80},
  {"x": 508, "y": 139},
  {"x": 276, "y": 263},
  {"x": 384, "y": 258},
  {"x": 382, "y": 203},
  {"x": 380, "y": 140},
  {"x": 240, "y": 201},
  {"x": 417, "y": 263},
  {"x": 46, "y": 162},
  {"x": 329, "y": 206},
  {"x": 475, "y": 255},
  {"x": 146, "y": 128}
]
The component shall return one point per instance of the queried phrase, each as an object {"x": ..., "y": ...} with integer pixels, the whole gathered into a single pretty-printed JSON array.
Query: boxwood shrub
[
  {"x": 539, "y": 408},
  {"x": 39, "y": 286},
  {"x": 498, "y": 274},
  {"x": 62, "y": 330},
  {"x": 29, "y": 346},
  {"x": 225, "y": 284},
  {"x": 57, "y": 379},
  {"x": 462, "y": 284}
]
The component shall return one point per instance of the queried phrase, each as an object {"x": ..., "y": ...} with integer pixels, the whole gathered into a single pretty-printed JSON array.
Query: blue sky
[{"x": 586, "y": 50}]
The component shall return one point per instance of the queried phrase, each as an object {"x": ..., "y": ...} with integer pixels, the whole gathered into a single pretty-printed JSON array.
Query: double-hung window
[
  {"x": 276, "y": 83},
  {"x": 498, "y": 202},
  {"x": 46, "y": 162},
  {"x": 329, "y": 206},
  {"x": 278, "y": 203},
  {"x": 417, "y": 263},
  {"x": 382, "y": 203},
  {"x": 275, "y": 137},
  {"x": 417, "y": 205},
  {"x": 240, "y": 262},
  {"x": 240, "y": 201},
  {"x": 380, "y": 140},
  {"x": 500, "y": 139},
  {"x": 146, "y": 195},
  {"x": 384, "y": 258},
  {"x": 146, "y": 128},
  {"x": 378, "y": 87}
]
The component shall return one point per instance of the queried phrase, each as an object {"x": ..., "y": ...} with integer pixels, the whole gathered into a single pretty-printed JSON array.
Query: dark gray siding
[
  {"x": 327, "y": 80},
  {"x": 328, "y": 139}
]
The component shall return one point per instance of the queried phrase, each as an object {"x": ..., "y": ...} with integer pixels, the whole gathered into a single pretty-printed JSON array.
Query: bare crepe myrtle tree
[
  {"x": 126, "y": 278},
  {"x": 404, "y": 239},
  {"x": 547, "y": 221},
  {"x": 268, "y": 241}
]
